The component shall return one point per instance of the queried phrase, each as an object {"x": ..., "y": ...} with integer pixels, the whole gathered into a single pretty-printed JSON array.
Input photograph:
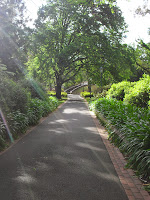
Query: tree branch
[{"x": 144, "y": 68}]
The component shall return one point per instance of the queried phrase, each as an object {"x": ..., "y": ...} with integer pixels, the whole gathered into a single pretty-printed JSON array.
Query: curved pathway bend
[{"x": 63, "y": 158}]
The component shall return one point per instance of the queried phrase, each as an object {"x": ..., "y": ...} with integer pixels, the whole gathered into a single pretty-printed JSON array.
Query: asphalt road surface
[{"x": 63, "y": 158}]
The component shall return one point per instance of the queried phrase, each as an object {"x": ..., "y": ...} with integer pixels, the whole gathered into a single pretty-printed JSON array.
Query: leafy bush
[
  {"x": 139, "y": 94},
  {"x": 133, "y": 125},
  {"x": 102, "y": 94},
  {"x": 35, "y": 111},
  {"x": 2, "y": 143},
  {"x": 53, "y": 93},
  {"x": 53, "y": 101},
  {"x": 2, "y": 128},
  {"x": 20, "y": 110},
  {"x": 86, "y": 94},
  {"x": 18, "y": 123},
  {"x": 35, "y": 88},
  {"x": 99, "y": 90},
  {"x": 64, "y": 94},
  {"x": 118, "y": 90},
  {"x": 39, "y": 108},
  {"x": 13, "y": 97}
]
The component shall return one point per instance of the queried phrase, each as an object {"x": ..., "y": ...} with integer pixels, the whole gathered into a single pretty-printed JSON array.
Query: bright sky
[{"x": 137, "y": 25}]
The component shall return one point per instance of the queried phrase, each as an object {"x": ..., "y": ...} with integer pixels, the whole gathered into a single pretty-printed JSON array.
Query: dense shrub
[
  {"x": 2, "y": 128},
  {"x": 18, "y": 123},
  {"x": 35, "y": 111},
  {"x": 18, "y": 111},
  {"x": 39, "y": 108},
  {"x": 53, "y": 101},
  {"x": 86, "y": 94},
  {"x": 13, "y": 97},
  {"x": 53, "y": 93},
  {"x": 2, "y": 143},
  {"x": 2, "y": 134},
  {"x": 102, "y": 94},
  {"x": 133, "y": 125},
  {"x": 64, "y": 94},
  {"x": 103, "y": 88},
  {"x": 118, "y": 90},
  {"x": 35, "y": 88},
  {"x": 139, "y": 94}
]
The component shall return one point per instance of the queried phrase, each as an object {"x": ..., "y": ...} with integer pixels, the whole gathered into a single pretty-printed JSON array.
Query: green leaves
[
  {"x": 12, "y": 96},
  {"x": 53, "y": 93},
  {"x": 18, "y": 122},
  {"x": 139, "y": 94},
  {"x": 72, "y": 35},
  {"x": 133, "y": 125},
  {"x": 39, "y": 108},
  {"x": 117, "y": 90},
  {"x": 13, "y": 38},
  {"x": 134, "y": 93},
  {"x": 86, "y": 94}
]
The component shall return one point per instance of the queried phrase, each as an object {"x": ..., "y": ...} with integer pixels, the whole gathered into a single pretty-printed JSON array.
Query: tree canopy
[
  {"x": 142, "y": 54},
  {"x": 70, "y": 35},
  {"x": 12, "y": 35}
]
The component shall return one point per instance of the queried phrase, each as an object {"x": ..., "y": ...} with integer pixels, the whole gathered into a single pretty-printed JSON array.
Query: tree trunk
[
  {"x": 50, "y": 86},
  {"x": 89, "y": 86},
  {"x": 58, "y": 91}
]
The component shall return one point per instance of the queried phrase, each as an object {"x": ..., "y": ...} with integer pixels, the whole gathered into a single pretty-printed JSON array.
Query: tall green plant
[
  {"x": 133, "y": 125},
  {"x": 13, "y": 97}
]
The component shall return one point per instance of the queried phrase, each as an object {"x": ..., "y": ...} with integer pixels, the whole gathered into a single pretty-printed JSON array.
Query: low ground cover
[
  {"x": 129, "y": 129},
  {"x": 17, "y": 122},
  {"x": 22, "y": 104}
]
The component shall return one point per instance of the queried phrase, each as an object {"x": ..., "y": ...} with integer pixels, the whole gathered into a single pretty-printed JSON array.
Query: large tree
[{"x": 70, "y": 35}]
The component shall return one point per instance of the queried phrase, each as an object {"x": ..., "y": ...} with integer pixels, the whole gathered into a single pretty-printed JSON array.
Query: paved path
[{"x": 63, "y": 158}]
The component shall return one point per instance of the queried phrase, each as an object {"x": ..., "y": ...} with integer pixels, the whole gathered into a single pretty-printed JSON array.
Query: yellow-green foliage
[
  {"x": 118, "y": 90},
  {"x": 139, "y": 94},
  {"x": 53, "y": 93},
  {"x": 134, "y": 93},
  {"x": 86, "y": 94}
]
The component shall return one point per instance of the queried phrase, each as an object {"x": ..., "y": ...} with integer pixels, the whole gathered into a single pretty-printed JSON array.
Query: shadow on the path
[{"x": 64, "y": 158}]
